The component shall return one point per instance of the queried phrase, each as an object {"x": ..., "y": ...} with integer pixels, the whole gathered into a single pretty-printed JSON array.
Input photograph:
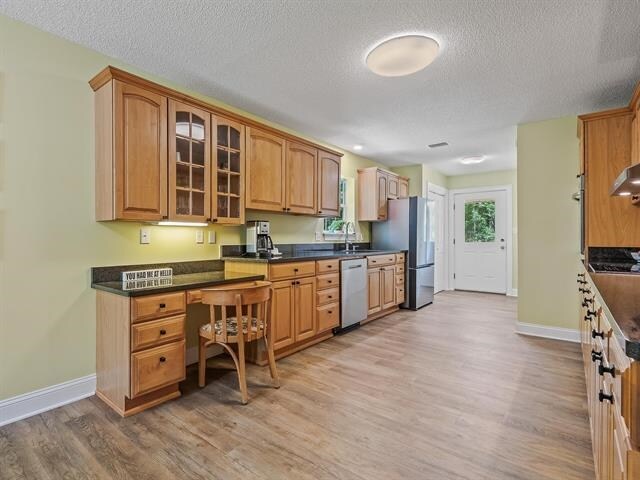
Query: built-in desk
[{"x": 140, "y": 331}]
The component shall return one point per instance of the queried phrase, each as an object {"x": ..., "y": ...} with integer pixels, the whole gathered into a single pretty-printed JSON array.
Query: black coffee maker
[{"x": 259, "y": 242}]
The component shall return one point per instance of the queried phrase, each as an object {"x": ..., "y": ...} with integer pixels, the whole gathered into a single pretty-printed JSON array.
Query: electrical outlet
[
  {"x": 145, "y": 236},
  {"x": 212, "y": 236},
  {"x": 199, "y": 236}
]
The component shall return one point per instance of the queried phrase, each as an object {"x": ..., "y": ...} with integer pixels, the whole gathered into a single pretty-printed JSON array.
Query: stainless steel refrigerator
[{"x": 408, "y": 227}]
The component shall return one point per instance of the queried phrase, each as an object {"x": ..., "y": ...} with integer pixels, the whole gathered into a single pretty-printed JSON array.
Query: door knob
[{"x": 501, "y": 247}]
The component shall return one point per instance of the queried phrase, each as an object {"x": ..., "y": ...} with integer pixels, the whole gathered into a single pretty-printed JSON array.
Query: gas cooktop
[{"x": 611, "y": 267}]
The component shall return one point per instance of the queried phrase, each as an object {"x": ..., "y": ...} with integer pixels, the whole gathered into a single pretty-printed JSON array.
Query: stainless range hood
[{"x": 627, "y": 183}]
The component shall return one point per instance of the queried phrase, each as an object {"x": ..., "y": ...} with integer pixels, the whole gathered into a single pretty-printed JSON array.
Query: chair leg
[
  {"x": 202, "y": 361},
  {"x": 272, "y": 362},
  {"x": 242, "y": 371}
]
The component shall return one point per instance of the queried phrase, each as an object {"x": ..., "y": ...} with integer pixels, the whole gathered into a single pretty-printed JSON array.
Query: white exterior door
[
  {"x": 437, "y": 218},
  {"x": 480, "y": 248}
]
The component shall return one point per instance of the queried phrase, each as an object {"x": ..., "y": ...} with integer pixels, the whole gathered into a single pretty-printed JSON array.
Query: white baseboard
[
  {"x": 512, "y": 292},
  {"x": 32, "y": 403},
  {"x": 556, "y": 333}
]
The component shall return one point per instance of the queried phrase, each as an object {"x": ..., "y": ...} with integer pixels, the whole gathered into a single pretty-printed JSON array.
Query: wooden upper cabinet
[
  {"x": 393, "y": 187},
  {"x": 373, "y": 193},
  {"x": 265, "y": 177},
  {"x": 635, "y": 135},
  {"x": 403, "y": 187},
  {"x": 382, "y": 192},
  {"x": 131, "y": 153},
  {"x": 189, "y": 163},
  {"x": 301, "y": 173},
  {"x": 328, "y": 184},
  {"x": 227, "y": 189}
]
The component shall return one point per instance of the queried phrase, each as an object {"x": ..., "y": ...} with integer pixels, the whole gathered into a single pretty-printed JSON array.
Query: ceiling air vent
[{"x": 441, "y": 144}]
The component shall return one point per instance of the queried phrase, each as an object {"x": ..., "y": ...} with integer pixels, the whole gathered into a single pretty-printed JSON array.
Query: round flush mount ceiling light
[
  {"x": 402, "y": 55},
  {"x": 358, "y": 147},
  {"x": 472, "y": 160}
]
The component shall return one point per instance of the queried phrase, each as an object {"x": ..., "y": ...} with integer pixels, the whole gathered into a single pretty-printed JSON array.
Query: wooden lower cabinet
[
  {"x": 386, "y": 282},
  {"x": 282, "y": 314},
  {"x": 612, "y": 381},
  {"x": 374, "y": 285},
  {"x": 388, "y": 287},
  {"x": 304, "y": 294}
]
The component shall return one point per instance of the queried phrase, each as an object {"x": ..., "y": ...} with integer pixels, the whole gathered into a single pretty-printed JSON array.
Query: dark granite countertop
[
  {"x": 310, "y": 255},
  {"x": 620, "y": 294},
  {"x": 186, "y": 281}
]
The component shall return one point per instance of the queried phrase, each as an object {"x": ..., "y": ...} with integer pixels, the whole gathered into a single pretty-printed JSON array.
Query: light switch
[
  {"x": 145, "y": 235},
  {"x": 199, "y": 236},
  {"x": 212, "y": 236}
]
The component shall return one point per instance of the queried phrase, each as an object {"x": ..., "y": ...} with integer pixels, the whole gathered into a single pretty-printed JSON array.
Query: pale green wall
[
  {"x": 430, "y": 175},
  {"x": 490, "y": 179},
  {"x": 49, "y": 238},
  {"x": 548, "y": 240},
  {"x": 414, "y": 173}
]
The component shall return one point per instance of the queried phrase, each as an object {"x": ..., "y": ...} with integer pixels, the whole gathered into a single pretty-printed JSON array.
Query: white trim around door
[
  {"x": 443, "y": 192},
  {"x": 509, "y": 231}
]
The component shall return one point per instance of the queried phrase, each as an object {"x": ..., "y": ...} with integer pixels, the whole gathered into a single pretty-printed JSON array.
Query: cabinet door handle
[
  {"x": 163, "y": 359},
  {"x": 329, "y": 281},
  {"x": 605, "y": 396},
  {"x": 295, "y": 270},
  {"x": 163, "y": 305},
  {"x": 595, "y": 356},
  {"x": 330, "y": 296},
  {"x": 330, "y": 311},
  {"x": 163, "y": 332},
  {"x": 611, "y": 370},
  {"x": 319, "y": 211},
  {"x": 595, "y": 333}
]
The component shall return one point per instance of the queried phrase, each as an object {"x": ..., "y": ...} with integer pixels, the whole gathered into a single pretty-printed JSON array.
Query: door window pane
[{"x": 480, "y": 221}]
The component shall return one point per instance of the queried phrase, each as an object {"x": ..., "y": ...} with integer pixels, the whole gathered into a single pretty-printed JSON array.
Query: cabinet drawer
[
  {"x": 400, "y": 258},
  {"x": 400, "y": 268},
  {"x": 291, "y": 270},
  {"x": 381, "y": 260},
  {"x": 157, "y": 367},
  {"x": 328, "y": 280},
  {"x": 155, "y": 332},
  {"x": 194, "y": 296},
  {"x": 328, "y": 316},
  {"x": 329, "y": 295},
  {"x": 399, "y": 279},
  {"x": 399, "y": 294},
  {"x": 327, "y": 266},
  {"x": 157, "y": 306}
]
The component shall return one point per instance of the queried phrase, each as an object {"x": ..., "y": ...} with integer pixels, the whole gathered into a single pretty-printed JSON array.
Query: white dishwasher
[{"x": 354, "y": 294}]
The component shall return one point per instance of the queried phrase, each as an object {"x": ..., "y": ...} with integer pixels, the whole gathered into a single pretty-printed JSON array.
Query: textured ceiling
[{"x": 301, "y": 63}]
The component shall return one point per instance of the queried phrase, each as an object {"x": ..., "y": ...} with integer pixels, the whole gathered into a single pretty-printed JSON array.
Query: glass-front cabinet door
[
  {"x": 228, "y": 173},
  {"x": 189, "y": 163}
]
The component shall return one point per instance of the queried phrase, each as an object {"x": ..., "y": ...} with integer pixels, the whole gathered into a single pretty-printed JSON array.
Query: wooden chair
[{"x": 254, "y": 303}]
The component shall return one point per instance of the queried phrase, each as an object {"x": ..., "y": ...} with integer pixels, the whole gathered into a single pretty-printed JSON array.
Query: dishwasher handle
[{"x": 355, "y": 266}]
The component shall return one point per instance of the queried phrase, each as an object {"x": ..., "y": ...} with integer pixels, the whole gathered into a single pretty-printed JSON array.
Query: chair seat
[{"x": 232, "y": 326}]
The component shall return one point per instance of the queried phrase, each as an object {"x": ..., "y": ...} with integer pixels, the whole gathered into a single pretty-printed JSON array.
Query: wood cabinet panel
[
  {"x": 156, "y": 332},
  {"x": 382, "y": 192},
  {"x": 400, "y": 294},
  {"x": 375, "y": 293},
  {"x": 282, "y": 314},
  {"x": 328, "y": 266},
  {"x": 328, "y": 184},
  {"x": 328, "y": 280},
  {"x": 328, "y": 295},
  {"x": 301, "y": 178},
  {"x": 140, "y": 154},
  {"x": 610, "y": 221},
  {"x": 228, "y": 171},
  {"x": 265, "y": 171},
  {"x": 157, "y": 306},
  {"x": 328, "y": 317},
  {"x": 393, "y": 187},
  {"x": 280, "y": 271},
  {"x": 373, "y": 193},
  {"x": 189, "y": 163},
  {"x": 388, "y": 287},
  {"x": 380, "y": 260},
  {"x": 305, "y": 312},
  {"x": 157, "y": 367},
  {"x": 403, "y": 187}
]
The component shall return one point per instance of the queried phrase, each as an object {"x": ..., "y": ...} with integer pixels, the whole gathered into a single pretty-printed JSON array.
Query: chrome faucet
[{"x": 346, "y": 234}]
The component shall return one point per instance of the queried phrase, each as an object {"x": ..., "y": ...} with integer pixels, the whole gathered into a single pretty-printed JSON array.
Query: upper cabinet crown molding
[{"x": 111, "y": 73}]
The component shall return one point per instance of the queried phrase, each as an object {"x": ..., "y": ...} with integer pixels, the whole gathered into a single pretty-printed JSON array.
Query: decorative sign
[
  {"x": 151, "y": 274},
  {"x": 150, "y": 283}
]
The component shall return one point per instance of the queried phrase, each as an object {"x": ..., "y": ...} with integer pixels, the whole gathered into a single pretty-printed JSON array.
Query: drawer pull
[
  {"x": 605, "y": 396},
  {"x": 329, "y": 281},
  {"x": 595, "y": 333},
  {"x": 295, "y": 270},
  {"x": 595, "y": 356},
  {"x": 329, "y": 311},
  {"x": 163, "y": 359},
  {"x": 330, "y": 296},
  {"x": 163, "y": 332},
  {"x": 611, "y": 370},
  {"x": 163, "y": 305}
]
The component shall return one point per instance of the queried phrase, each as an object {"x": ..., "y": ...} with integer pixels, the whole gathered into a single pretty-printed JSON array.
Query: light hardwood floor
[{"x": 449, "y": 392}]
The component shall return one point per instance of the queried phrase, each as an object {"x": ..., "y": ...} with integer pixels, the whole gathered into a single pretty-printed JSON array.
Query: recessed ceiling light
[
  {"x": 358, "y": 147},
  {"x": 472, "y": 160},
  {"x": 402, "y": 55},
  {"x": 624, "y": 194}
]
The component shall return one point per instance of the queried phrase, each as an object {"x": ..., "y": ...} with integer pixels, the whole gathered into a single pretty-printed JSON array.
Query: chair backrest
[{"x": 251, "y": 300}]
